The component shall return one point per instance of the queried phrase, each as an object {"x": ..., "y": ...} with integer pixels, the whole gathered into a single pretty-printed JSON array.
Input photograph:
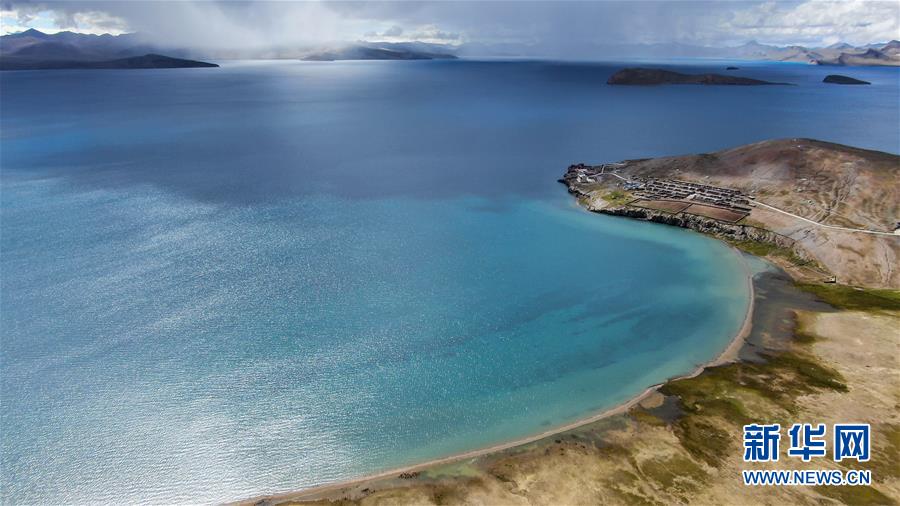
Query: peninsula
[
  {"x": 147, "y": 61},
  {"x": 645, "y": 76},
  {"x": 832, "y": 209}
]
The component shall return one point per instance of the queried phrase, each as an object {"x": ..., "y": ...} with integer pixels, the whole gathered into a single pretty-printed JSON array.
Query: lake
[{"x": 221, "y": 283}]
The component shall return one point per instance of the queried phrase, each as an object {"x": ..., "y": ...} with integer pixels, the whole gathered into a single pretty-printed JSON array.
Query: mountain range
[
  {"x": 35, "y": 49},
  {"x": 882, "y": 54}
]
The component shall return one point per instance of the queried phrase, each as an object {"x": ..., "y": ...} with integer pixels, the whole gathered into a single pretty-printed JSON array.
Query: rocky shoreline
[{"x": 732, "y": 232}]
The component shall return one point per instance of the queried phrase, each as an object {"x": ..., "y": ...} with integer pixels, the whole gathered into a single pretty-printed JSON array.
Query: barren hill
[{"x": 825, "y": 182}]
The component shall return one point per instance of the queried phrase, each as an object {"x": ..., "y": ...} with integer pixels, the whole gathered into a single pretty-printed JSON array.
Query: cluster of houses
[
  {"x": 664, "y": 189},
  {"x": 673, "y": 189}
]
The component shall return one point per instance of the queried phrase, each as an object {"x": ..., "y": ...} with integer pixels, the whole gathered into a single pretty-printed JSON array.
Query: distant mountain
[
  {"x": 756, "y": 51},
  {"x": 33, "y": 49},
  {"x": 892, "y": 48},
  {"x": 888, "y": 56},
  {"x": 836, "y": 54},
  {"x": 65, "y": 45},
  {"x": 383, "y": 51},
  {"x": 147, "y": 61},
  {"x": 753, "y": 50}
]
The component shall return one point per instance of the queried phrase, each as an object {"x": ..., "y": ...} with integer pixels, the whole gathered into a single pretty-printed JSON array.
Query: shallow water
[{"x": 220, "y": 283}]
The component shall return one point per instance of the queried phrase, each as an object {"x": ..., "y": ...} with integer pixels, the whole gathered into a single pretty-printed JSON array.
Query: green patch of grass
[
  {"x": 848, "y": 297},
  {"x": 858, "y": 495},
  {"x": 764, "y": 249},
  {"x": 617, "y": 197},
  {"x": 717, "y": 391},
  {"x": 711, "y": 393},
  {"x": 811, "y": 373},
  {"x": 804, "y": 337},
  {"x": 759, "y": 249},
  {"x": 641, "y": 415},
  {"x": 703, "y": 440},
  {"x": 721, "y": 393}
]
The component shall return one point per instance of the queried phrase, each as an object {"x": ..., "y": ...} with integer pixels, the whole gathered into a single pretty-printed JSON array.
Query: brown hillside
[{"x": 825, "y": 182}]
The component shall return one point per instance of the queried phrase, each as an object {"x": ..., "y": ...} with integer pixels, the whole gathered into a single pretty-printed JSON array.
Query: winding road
[{"x": 835, "y": 227}]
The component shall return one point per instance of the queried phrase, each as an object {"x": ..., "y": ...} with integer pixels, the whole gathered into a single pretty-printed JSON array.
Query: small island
[
  {"x": 645, "y": 76},
  {"x": 839, "y": 79},
  {"x": 732, "y": 68}
]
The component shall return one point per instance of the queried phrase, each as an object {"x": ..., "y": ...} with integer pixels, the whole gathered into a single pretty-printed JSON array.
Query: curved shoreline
[{"x": 729, "y": 354}]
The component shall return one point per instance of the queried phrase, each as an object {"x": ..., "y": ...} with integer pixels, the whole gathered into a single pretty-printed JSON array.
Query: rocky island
[
  {"x": 645, "y": 76},
  {"x": 839, "y": 79}
]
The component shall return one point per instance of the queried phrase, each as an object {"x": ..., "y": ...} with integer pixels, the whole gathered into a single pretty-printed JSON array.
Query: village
[{"x": 671, "y": 195}]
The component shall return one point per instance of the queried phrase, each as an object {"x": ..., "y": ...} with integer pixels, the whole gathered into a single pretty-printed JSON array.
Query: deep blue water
[{"x": 219, "y": 283}]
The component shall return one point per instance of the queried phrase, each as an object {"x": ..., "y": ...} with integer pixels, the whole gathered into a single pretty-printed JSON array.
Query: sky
[{"x": 544, "y": 27}]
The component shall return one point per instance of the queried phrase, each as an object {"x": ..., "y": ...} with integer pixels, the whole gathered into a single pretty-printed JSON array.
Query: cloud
[
  {"x": 545, "y": 28},
  {"x": 394, "y": 31},
  {"x": 425, "y": 33},
  {"x": 201, "y": 24},
  {"x": 816, "y": 22},
  {"x": 432, "y": 32},
  {"x": 95, "y": 22}
]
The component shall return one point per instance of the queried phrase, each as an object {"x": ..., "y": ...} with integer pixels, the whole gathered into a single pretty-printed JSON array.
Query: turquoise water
[{"x": 228, "y": 282}]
